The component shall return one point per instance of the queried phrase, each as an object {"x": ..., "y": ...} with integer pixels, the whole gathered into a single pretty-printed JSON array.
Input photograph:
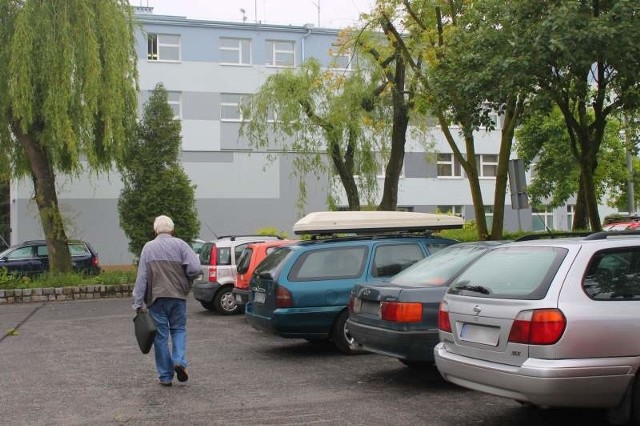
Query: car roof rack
[
  {"x": 234, "y": 237},
  {"x": 552, "y": 235},
  {"x": 603, "y": 235},
  {"x": 373, "y": 222}
]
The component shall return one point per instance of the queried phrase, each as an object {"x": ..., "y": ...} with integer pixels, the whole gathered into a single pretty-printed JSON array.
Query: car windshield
[
  {"x": 515, "y": 272},
  {"x": 4, "y": 253},
  {"x": 439, "y": 268}
]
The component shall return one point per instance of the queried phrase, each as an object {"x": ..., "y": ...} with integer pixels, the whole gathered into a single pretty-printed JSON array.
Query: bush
[{"x": 12, "y": 281}]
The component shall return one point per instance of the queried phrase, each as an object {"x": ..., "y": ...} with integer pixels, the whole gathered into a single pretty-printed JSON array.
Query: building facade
[{"x": 207, "y": 67}]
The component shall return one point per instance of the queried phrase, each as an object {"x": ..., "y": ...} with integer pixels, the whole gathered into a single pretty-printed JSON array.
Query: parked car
[
  {"x": 196, "y": 245},
  {"x": 399, "y": 318},
  {"x": 251, "y": 256},
  {"x": 302, "y": 289},
  {"x": 552, "y": 323},
  {"x": 31, "y": 258},
  {"x": 218, "y": 264},
  {"x": 621, "y": 223}
]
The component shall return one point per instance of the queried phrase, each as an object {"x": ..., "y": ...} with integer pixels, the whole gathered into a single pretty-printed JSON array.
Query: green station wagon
[{"x": 302, "y": 290}]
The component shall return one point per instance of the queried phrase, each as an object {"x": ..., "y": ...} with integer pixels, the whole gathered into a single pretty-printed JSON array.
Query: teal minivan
[{"x": 302, "y": 290}]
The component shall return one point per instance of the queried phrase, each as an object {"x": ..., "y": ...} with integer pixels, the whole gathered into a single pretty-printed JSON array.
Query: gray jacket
[{"x": 166, "y": 266}]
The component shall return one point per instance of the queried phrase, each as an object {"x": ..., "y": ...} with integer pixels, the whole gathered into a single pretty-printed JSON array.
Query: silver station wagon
[{"x": 551, "y": 322}]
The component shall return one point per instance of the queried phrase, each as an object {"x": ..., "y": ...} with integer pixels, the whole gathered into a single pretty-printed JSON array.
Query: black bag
[{"x": 145, "y": 329}]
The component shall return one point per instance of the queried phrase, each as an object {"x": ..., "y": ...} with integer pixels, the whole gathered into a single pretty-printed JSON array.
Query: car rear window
[
  {"x": 389, "y": 259},
  {"x": 205, "y": 254},
  {"x": 224, "y": 256},
  {"x": 329, "y": 264},
  {"x": 511, "y": 273},
  {"x": 438, "y": 269},
  {"x": 245, "y": 259},
  {"x": 272, "y": 261},
  {"x": 614, "y": 275}
]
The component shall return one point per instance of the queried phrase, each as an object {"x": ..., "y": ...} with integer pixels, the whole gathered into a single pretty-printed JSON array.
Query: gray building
[{"x": 207, "y": 66}]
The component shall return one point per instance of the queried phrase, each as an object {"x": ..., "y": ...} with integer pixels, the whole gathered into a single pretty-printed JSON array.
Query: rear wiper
[{"x": 474, "y": 288}]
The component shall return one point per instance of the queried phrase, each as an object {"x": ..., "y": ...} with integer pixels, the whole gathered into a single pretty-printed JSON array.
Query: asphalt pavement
[{"x": 77, "y": 363}]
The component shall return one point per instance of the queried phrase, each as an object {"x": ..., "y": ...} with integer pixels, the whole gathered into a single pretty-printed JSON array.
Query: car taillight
[
  {"x": 443, "y": 317},
  {"x": 401, "y": 312},
  {"x": 213, "y": 261},
  {"x": 283, "y": 298},
  {"x": 95, "y": 261},
  {"x": 538, "y": 327}
]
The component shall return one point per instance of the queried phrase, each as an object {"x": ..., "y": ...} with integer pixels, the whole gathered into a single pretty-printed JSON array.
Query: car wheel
[
  {"x": 417, "y": 365},
  {"x": 207, "y": 305},
  {"x": 341, "y": 337},
  {"x": 225, "y": 303}
]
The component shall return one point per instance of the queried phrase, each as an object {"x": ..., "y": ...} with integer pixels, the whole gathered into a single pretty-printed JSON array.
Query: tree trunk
[
  {"x": 580, "y": 213},
  {"x": 47, "y": 201},
  {"x": 344, "y": 168},
  {"x": 398, "y": 136},
  {"x": 515, "y": 106}
]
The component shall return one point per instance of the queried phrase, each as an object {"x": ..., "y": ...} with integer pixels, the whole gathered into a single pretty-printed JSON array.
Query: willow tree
[
  {"x": 68, "y": 95},
  {"x": 318, "y": 114}
]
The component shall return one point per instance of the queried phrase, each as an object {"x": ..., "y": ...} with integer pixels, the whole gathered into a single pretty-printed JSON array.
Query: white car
[{"x": 551, "y": 323}]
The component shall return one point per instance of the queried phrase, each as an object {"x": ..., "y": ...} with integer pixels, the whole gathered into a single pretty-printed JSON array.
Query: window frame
[
  {"x": 482, "y": 163},
  {"x": 273, "y": 51},
  {"x": 452, "y": 162},
  {"x": 159, "y": 44},
  {"x": 226, "y": 106},
  {"x": 239, "y": 49}
]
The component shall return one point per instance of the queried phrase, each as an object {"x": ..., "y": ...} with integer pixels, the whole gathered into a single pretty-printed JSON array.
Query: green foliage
[
  {"x": 48, "y": 280},
  {"x": 543, "y": 140},
  {"x": 316, "y": 114},
  {"x": 272, "y": 230},
  {"x": 68, "y": 79},
  {"x": 154, "y": 181}
]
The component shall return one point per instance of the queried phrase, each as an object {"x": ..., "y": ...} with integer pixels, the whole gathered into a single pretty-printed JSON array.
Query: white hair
[{"x": 163, "y": 225}]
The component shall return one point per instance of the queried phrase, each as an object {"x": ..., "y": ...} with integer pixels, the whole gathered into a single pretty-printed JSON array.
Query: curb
[{"x": 52, "y": 294}]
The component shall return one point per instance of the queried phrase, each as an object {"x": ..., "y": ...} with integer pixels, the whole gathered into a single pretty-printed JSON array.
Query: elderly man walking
[{"x": 167, "y": 265}]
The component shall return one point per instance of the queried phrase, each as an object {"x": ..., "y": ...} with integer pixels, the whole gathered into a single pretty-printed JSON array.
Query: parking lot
[{"x": 77, "y": 363}]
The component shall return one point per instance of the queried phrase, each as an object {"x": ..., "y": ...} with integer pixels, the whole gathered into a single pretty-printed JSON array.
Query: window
[
  {"x": 230, "y": 107},
  {"x": 542, "y": 219},
  {"x": 163, "y": 47},
  {"x": 21, "y": 253},
  {"x": 451, "y": 209},
  {"x": 571, "y": 209},
  {"x": 449, "y": 166},
  {"x": 280, "y": 53},
  {"x": 614, "y": 275},
  {"x": 393, "y": 258},
  {"x": 174, "y": 100},
  {"x": 340, "y": 57},
  {"x": 235, "y": 51},
  {"x": 329, "y": 264},
  {"x": 487, "y": 165}
]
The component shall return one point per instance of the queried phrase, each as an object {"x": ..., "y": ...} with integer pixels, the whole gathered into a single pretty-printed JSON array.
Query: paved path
[{"x": 77, "y": 363}]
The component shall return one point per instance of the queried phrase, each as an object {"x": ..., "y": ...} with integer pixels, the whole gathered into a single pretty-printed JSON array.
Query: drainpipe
[{"x": 308, "y": 27}]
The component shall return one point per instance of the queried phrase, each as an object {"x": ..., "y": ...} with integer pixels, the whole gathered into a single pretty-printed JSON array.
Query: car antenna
[{"x": 211, "y": 230}]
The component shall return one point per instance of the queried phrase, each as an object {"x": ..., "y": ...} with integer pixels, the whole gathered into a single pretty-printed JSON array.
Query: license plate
[
  {"x": 483, "y": 334},
  {"x": 259, "y": 298},
  {"x": 238, "y": 298},
  {"x": 370, "y": 308}
]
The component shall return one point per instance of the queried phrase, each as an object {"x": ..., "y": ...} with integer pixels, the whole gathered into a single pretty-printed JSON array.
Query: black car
[
  {"x": 399, "y": 318},
  {"x": 31, "y": 258}
]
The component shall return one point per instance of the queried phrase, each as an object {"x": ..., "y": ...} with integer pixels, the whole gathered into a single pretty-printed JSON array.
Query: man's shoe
[
  {"x": 165, "y": 383},
  {"x": 181, "y": 373}
]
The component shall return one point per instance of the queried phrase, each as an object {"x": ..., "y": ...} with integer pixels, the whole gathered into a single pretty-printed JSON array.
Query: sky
[{"x": 330, "y": 13}]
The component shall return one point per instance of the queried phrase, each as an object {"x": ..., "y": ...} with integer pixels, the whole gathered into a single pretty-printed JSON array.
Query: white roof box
[{"x": 361, "y": 222}]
